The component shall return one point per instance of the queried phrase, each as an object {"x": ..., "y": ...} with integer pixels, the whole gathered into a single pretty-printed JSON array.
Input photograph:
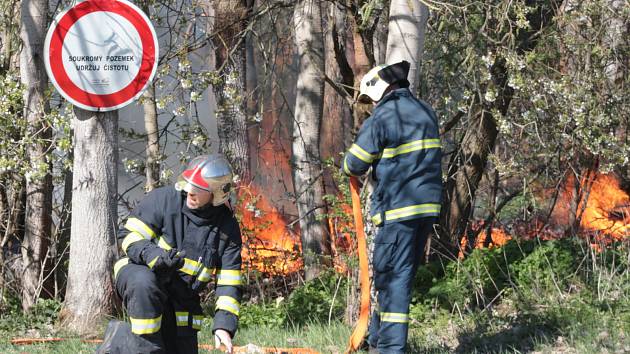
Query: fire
[
  {"x": 604, "y": 208},
  {"x": 272, "y": 246},
  {"x": 341, "y": 230},
  {"x": 607, "y": 208},
  {"x": 269, "y": 244},
  {"x": 498, "y": 238}
]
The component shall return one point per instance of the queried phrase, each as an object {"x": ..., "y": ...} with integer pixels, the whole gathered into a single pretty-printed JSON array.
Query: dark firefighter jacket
[
  {"x": 211, "y": 238},
  {"x": 401, "y": 142}
]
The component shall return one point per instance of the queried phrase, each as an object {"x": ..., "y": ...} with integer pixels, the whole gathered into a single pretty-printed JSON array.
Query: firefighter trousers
[
  {"x": 156, "y": 325},
  {"x": 398, "y": 250}
]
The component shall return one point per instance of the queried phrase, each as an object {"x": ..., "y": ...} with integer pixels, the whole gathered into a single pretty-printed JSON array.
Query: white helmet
[
  {"x": 377, "y": 80},
  {"x": 210, "y": 173}
]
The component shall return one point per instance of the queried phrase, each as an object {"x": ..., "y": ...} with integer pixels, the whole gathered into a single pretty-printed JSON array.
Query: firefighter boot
[{"x": 119, "y": 340}]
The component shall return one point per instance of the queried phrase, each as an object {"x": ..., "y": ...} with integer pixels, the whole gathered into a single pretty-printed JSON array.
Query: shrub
[
  {"x": 548, "y": 268},
  {"x": 266, "y": 315},
  {"x": 41, "y": 316},
  {"x": 318, "y": 299},
  {"x": 314, "y": 301},
  {"x": 480, "y": 277}
]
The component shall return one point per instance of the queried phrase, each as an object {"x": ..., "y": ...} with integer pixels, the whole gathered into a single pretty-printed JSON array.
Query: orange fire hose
[
  {"x": 362, "y": 324},
  {"x": 245, "y": 349}
]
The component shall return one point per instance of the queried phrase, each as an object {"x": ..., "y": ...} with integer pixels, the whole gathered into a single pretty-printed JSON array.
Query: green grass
[
  {"x": 498, "y": 331},
  {"x": 532, "y": 297},
  {"x": 324, "y": 338}
]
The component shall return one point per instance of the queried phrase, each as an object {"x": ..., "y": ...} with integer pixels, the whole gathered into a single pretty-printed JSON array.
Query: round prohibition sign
[{"x": 101, "y": 54}]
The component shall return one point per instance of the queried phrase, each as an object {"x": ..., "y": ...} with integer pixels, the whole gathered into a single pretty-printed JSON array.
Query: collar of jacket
[
  {"x": 206, "y": 215},
  {"x": 393, "y": 95}
]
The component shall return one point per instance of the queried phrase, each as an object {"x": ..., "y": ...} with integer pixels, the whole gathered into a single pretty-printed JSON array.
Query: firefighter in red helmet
[{"x": 175, "y": 242}]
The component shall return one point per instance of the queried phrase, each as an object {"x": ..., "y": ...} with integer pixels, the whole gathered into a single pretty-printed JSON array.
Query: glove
[
  {"x": 221, "y": 336},
  {"x": 168, "y": 261}
]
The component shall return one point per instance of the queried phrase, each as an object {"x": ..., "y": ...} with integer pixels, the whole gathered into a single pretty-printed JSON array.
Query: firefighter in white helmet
[
  {"x": 400, "y": 141},
  {"x": 175, "y": 242}
]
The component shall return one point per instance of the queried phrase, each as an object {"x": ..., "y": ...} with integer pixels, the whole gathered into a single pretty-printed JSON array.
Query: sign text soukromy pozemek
[
  {"x": 91, "y": 63},
  {"x": 101, "y": 55}
]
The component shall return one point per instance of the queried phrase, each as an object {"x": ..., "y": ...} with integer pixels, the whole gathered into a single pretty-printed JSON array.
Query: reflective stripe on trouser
[
  {"x": 145, "y": 325},
  {"x": 144, "y": 299},
  {"x": 398, "y": 249}
]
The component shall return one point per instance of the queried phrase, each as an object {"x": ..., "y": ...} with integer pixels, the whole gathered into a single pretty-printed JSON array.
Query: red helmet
[{"x": 210, "y": 173}]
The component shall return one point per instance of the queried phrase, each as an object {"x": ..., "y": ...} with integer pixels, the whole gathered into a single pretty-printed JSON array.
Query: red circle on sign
[{"x": 136, "y": 85}]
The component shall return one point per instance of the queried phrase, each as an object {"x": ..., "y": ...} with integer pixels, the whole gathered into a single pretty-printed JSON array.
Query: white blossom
[
  {"x": 491, "y": 95},
  {"x": 195, "y": 96}
]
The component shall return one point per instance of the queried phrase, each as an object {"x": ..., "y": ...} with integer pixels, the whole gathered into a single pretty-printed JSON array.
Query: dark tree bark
[
  {"x": 466, "y": 167},
  {"x": 37, "y": 228}
]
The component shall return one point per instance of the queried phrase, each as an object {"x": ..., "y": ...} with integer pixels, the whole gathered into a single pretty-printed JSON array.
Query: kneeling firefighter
[{"x": 175, "y": 242}]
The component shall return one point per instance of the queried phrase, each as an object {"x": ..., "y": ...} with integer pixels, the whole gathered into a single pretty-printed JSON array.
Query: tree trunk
[
  {"x": 12, "y": 201},
  {"x": 405, "y": 39},
  {"x": 307, "y": 167},
  {"x": 89, "y": 295},
  {"x": 37, "y": 228},
  {"x": 253, "y": 96},
  {"x": 64, "y": 232},
  {"x": 336, "y": 129},
  {"x": 152, "y": 169},
  {"x": 464, "y": 174},
  {"x": 361, "y": 64},
  {"x": 229, "y": 59},
  {"x": 468, "y": 163},
  {"x": 8, "y": 34}
]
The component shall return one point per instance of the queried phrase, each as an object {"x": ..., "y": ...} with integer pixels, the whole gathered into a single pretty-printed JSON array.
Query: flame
[
  {"x": 273, "y": 247},
  {"x": 499, "y": 237},
  {"x": 605, "y": 216},
  {"x": 341, "y": 228},
  {"x": 605, "y": 199},
  {"x": 269, "y": 244},
  {"x": 604, "y": 208}
]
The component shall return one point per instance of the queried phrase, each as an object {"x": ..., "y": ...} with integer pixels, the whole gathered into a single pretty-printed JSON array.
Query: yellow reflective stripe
[
  {"x": 228, "y": 304},
  {"x": 145, "y": 326},
  {"x": 163, "y": 244},
  {"x": 135, "y": 224},
  {"x": 191, "y": 267},
  {"x": 181, "y": 318},
  {"x": 419, "y": 209},
  {"x": 229, "y": 277},
  {"x": 131, "y": 238},
  {"x": 428, "y": 208},
  {"x": 119, "y": 264},
  {"x": 361, "y": 154},
  {"x": 196, "y": 321},
  {"x": 412, "y": 146},
  {"x": 394, "y": 317},
  {"x": 152, "y": 263},
  {"x": 206, "y": 274}
]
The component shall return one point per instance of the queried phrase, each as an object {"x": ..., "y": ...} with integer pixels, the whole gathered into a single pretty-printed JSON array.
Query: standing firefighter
[
  {"x": 401, "y": 142},
  {"x": 175, "y": 241}
]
